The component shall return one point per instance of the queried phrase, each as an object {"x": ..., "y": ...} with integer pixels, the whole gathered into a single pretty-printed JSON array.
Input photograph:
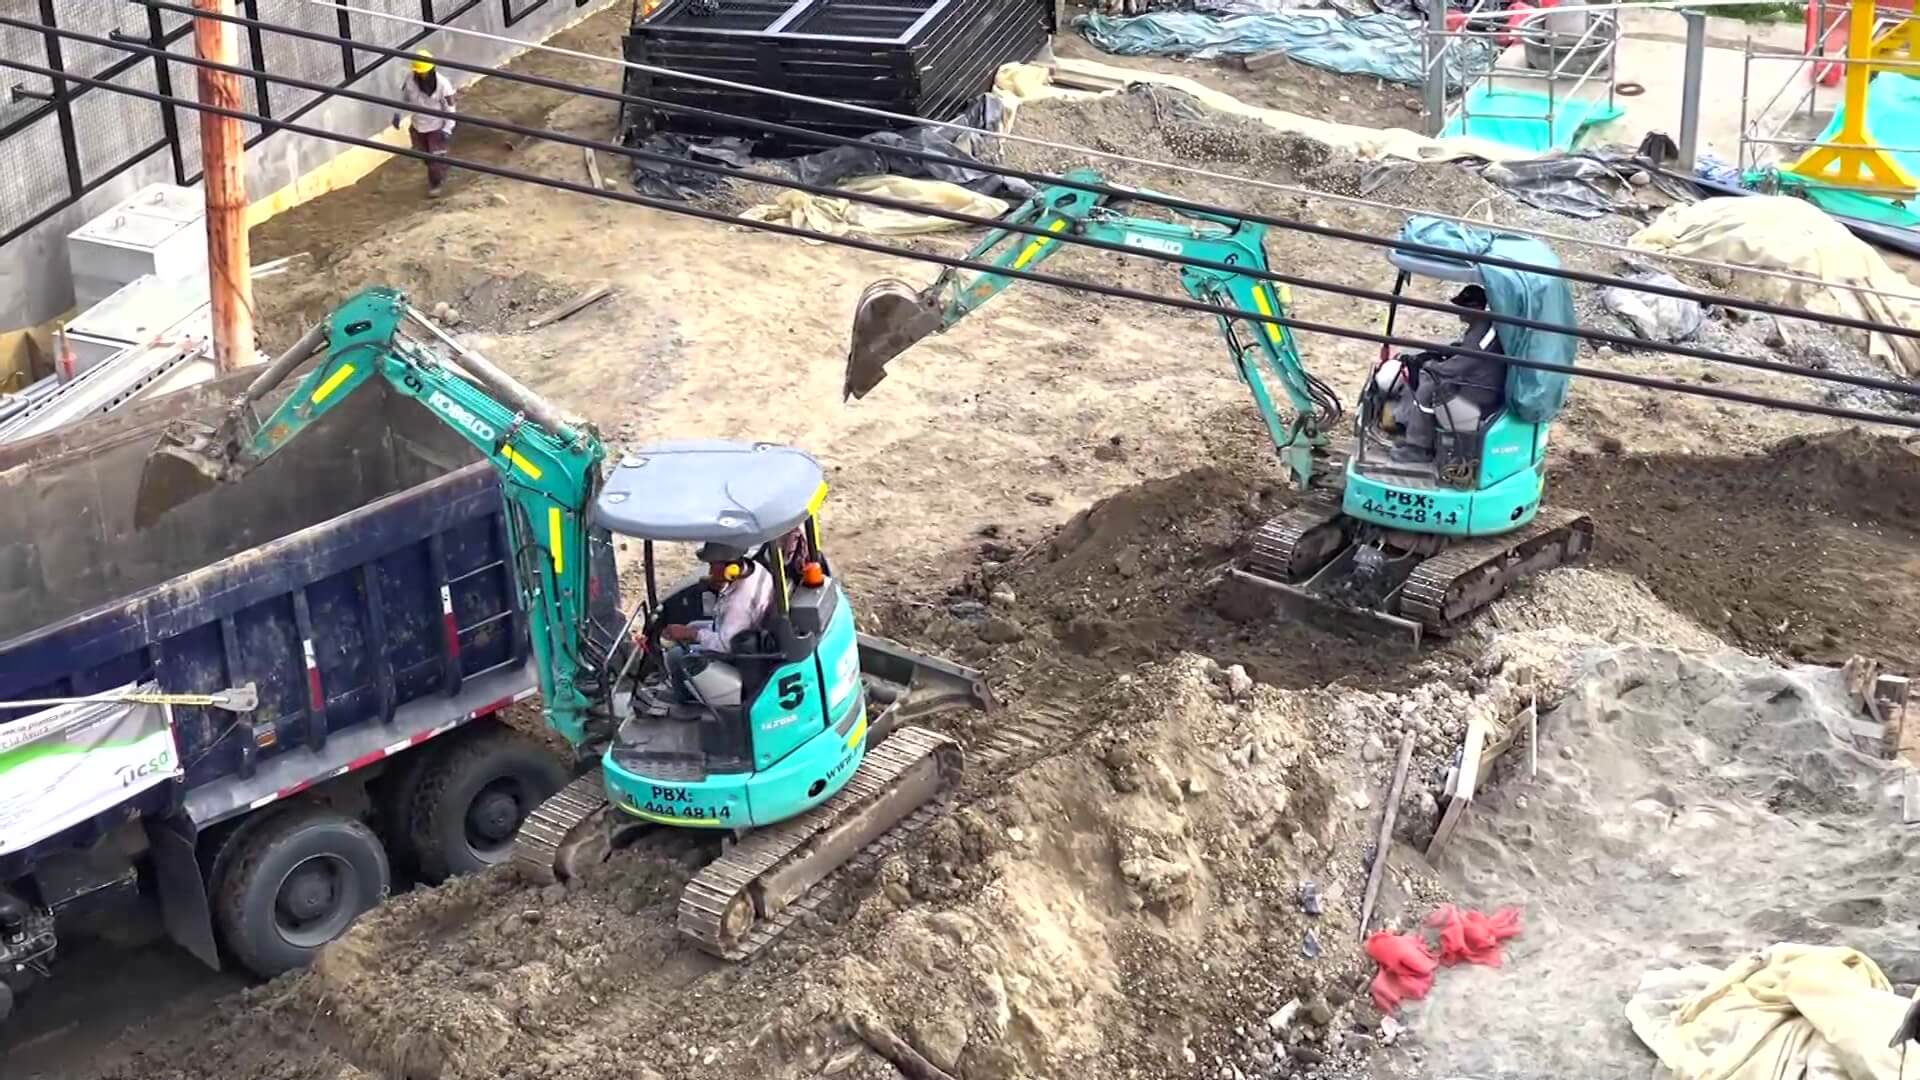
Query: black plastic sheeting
[{"x": 834, "y": 164}]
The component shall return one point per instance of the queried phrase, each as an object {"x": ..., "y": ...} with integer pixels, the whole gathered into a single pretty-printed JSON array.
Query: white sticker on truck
[{"x": 63, "y": 766}]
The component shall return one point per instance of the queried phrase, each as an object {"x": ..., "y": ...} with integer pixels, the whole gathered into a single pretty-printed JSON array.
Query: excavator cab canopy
[
  {"x": 735, "y": 494},
  {"x": 1534, "y": 394}
]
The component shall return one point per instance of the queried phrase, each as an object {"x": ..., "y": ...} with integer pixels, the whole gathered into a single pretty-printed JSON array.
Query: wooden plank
[
  {"x": 1524, "y": 721},
  {"x": 597, "y": 293},
  {"x": 1385, "y": 843},
  {"x": 1460, "y": 794},
  {"x": 593, "y": 169}
]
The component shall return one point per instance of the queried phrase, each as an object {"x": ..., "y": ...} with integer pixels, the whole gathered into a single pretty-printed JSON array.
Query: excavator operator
[
  {"x": 1451, "y": 388},
  {"x": 746, "y": 595}
]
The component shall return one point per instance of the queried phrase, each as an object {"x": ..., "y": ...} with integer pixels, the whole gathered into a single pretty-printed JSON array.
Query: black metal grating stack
[{"x": 920, "y": 58}]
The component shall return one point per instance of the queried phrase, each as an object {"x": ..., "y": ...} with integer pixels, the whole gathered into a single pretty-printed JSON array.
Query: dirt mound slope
[
  {"x": 1689, "y": 808},
  {"x": 1810, "y": 550},
  {"x": 1131, "y": 580}
]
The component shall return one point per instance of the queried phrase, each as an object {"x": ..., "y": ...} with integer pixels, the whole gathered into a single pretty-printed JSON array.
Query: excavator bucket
[
  {"x": 190, "y": 460},
  {"x": 889, "y": 319}
]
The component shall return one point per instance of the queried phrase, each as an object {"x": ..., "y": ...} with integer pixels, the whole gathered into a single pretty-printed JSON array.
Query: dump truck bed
[{"x": 361, "y": 581}]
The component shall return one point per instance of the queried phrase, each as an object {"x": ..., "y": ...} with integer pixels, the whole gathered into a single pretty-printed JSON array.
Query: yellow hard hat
[{"x": 423, "y": 65}]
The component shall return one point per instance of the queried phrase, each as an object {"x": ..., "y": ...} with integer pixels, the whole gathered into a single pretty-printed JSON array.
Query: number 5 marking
[{"x": 792, "y": 692}]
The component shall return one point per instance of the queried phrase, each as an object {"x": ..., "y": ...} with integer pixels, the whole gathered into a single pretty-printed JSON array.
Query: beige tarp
[
  {"x": 1789, "y": 1012},
  {"x": 838, "y": 217},
  {"x": 1775, "y": 232}
]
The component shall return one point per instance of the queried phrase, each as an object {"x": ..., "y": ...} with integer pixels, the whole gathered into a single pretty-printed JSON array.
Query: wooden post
[{"x": 224, "y": 178}]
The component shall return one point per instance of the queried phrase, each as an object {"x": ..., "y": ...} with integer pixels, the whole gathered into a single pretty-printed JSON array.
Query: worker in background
[
  {"x": 746, "y": 595},
  {"x": 1443, "y": 382},
  {"x": 425, "y": 87}
]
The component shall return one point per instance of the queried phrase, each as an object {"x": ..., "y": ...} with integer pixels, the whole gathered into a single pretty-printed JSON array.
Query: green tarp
[
  {"x": 1533, "y": 395},
  {"x": 1518, "y": 118}
]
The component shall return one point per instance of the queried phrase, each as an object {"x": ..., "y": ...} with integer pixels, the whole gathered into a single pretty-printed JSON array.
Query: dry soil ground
[{"x": 1047, "y": 491}]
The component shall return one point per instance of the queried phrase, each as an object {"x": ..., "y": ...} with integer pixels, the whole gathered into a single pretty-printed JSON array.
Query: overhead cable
[
  {"x": 1036, "y": 230},
  {"x": 846, "y": 106},
  {"x": 1120, "y": 292}
]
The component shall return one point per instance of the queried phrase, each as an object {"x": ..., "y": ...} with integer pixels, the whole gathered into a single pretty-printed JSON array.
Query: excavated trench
[{"x": 1118, "y": 885}]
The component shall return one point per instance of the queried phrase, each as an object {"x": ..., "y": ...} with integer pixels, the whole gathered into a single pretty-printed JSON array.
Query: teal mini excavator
[
  {"x": 771, "y": 744},
  {"x": 1418, "y": 546}
]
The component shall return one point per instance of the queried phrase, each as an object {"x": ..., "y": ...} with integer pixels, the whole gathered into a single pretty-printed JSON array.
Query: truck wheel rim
[
  {"x": 316, "y": 900},
  {"x": 494, "y": 817}
]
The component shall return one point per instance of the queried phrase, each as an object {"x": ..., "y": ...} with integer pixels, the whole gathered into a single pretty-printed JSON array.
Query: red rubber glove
[
  {"x": 1406, "y": 969},
  {"x": 1471, "y": 937}
]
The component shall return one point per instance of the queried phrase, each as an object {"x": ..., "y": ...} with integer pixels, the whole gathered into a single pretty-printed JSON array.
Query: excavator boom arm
[
  {"x": 549, "y": 472},
  {"x": 1264, "y": 353}
]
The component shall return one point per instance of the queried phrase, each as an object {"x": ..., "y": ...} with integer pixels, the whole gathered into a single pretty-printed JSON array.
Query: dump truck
[{"x": 352, "y": 607}]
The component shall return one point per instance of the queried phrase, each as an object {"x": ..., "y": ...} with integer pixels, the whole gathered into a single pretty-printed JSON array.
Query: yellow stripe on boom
[
  {"x": 333, "y": 383},
  {"x": 1032, "y": 250},
  {"x": 520, "y": 462},
  {"x": 1266, "y": 308},
  {"x": 556, "y": 540}
]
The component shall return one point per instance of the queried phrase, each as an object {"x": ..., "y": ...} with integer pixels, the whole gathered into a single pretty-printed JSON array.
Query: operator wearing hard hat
[{"x": 425, "y": 87}]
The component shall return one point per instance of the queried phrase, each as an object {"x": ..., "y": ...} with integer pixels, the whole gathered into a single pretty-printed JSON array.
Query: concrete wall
[{"x": 285, "y": 168}]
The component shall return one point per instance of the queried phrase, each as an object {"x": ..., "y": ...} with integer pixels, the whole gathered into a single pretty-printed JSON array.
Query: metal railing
[
  {"x": 1441, "y": 42},
  {"x": 61, "y": 140},
  {"x": 1764, "y": 130}
]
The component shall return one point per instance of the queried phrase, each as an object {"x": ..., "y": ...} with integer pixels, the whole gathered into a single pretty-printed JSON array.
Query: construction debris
[{"x": 571, "y": 307}]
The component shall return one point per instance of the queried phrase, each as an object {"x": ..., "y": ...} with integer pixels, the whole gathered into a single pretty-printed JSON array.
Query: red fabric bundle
[
  {"x": 1471, "y": 937},
  {"x": 1406, "y": 969}
]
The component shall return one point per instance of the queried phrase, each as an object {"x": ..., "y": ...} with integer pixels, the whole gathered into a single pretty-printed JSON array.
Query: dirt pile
[
  {"x": 1689, "y": 808},
  {"x": 459, "y": 293},
  {"x": 1806, "y": 551}
]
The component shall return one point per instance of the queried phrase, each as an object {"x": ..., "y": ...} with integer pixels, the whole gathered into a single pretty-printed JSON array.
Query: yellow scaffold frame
[{"x": 1852, "y": 160}]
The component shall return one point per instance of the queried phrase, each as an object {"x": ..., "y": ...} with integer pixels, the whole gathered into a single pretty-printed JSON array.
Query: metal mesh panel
[
  {"x": 520, "y": 9},
  {"x": 100, "y": 20},
  {"x": 110, "y": 128},
  {"x": 30, "y": 48},
  {"x": 296, "y": 57},
  {"x": 33, "y": 174},
  {"x": 389, "y": 32}
]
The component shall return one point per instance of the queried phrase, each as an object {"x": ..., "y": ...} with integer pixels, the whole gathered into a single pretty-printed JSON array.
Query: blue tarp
[
  {"x": 1385, "y": 46},
  {"x": 1533, "y": 395}
]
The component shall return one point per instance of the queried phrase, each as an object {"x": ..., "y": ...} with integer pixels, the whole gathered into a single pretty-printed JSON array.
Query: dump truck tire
[
  {"x": 469, "y": 802},
  {"x": 298, "y": 882}
]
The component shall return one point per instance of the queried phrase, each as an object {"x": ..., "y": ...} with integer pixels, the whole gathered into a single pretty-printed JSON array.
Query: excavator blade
[
  {"x": 914, "y": 685},
  {"x": 1309, "y": 561},
  {"x": 189, "y": 460},
  {"x": 890, "y": 317}
]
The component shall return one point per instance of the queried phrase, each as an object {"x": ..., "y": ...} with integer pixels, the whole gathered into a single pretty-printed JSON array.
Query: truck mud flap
[{"x": 184, "y": 908}]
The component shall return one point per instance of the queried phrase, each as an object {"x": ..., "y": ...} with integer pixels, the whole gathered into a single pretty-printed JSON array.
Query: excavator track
[
  {"x": 557, "y": 837},
  {"x": 742, "y": 901},
  {"x": 1448, "y": 589},
  {"x": 1300, "y": 541}
]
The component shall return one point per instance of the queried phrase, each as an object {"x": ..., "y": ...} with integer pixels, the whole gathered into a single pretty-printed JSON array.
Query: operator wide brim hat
[
  {"x": 424, "y": 64},
  {"x": 713, "y": 552}
]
